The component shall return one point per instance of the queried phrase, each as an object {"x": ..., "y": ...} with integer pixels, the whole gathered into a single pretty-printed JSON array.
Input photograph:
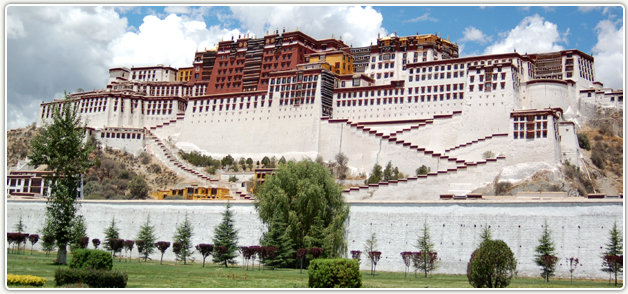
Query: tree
[
  {"x": 376, "y": 175},
  {"x": 544, "y": 256},
  {"x": 371, "y": 246},
  {"x": 176, "y": 248},
  {"x": 304, "y": 196},
  {"x": 407, "y": 261},
  {"x": 492, "y": 265},
  {"x": 162, "y": 246},
  {"x": 138, "y": 189},
  {"x": 184, "y": 235},
  {"x": 61, "y": 146},
  {"x": 83, "y": 242},
  {"x": 147, "y": 237},
  {"x": 278, "y": 236},
  {"x": 48, "y": 243},
  {"x": 226, "y": 235},
  {"x": 355, "y": 254},
  {"x": 374, "y": 257},
  {"x": 33, "y": 239},
  {"x": 111, "y": 233},
  {"x": 205, "y": 250},
  {"x": 427, "y": 262},
  {"x": 573, "y": 265},
  {"x": 423, "y": 170},
  {"x": 486, "y": 233},
  {"x": 282, "y": 160},
  {"x": 249, "y": 163},
  {"x": 242, "y": 163},
  {"x": 19, "y": 227},
  {"x": 116, "y": 246},
  {"x": 316, "y": 252},
  {"x": 342, "y": 160},
  {"x": 266, "y": 161},
  {"x": 301, "y": 253},
  {"x": 255, "y": 251},
  {"x": 79, "y": 230},
  {"x": 128, "y": 246},
  {"x": 227, "y": 161},
  {"x": 613, "y": 256},
  {"x": 95, "y": 242}
]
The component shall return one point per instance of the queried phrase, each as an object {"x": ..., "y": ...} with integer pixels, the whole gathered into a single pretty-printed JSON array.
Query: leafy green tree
[
  {"x": 48, "y": 240},
  {"x": 63, "y": 148},
  {"x": 613, "y": 255},
  {"x": 376, "y": 175},
  {"x": 492, "y": 265},
  {"x": 227, "y": 160},
  {"x": 278, "y": 236},
  {"x": 583, "y": 141},
  {"x": 249, "y": 163},
  {"x": 426, "y": 247},
  {"x": 304, "y": 196},
  {"x": 388, "y": 172},
  {"x": 282, "y": 160},
  {"x": 138, "y": 189},
  {"x": 544, "y": 256},
  {"x": 147, "y": 237},
  {"x": 111, "y": 233},
  {"x": 79, "y": 230},
  {"x": 226, "y": 235},
  {"x": 486, "y": 233},
  {"x": 266, "y": 161},
  {"x": 423, "y": 170},
  {"x": 184, "y": 235},
  {"x": 242, "y": 163}
]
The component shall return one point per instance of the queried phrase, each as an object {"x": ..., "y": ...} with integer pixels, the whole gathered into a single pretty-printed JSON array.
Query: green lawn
[{"x": 193, "y": 275}]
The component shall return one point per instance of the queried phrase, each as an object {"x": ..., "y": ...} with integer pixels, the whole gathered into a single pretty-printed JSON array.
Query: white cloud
[
  {"x": 587, "y": 9},
  {"x": 170, "y": 41},
  {"x": 425, "y": 17},
  {"x": 608, "y": 54},
  {"x": 177, "y": 9},
  {"x": 549, "y": 8},
  {"x": 357, "y": 25},
  {"x": 532, "y": 35},
  {"x": 474, "y": 35},
  {"x": 52, "y": 49}
]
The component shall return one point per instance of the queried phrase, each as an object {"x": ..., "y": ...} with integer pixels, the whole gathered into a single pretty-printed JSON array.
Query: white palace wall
[{"x": 579, "y": 229}]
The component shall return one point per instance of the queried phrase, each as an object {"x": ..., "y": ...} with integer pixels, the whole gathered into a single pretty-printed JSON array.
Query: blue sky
[{"x": 56, "y": 48}]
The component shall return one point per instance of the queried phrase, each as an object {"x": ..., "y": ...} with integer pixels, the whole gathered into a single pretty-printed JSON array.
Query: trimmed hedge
[
  {"x": 334, "y": 273},
  {"x": 91, "y": 277},
  {"x": 25, "y": 280},
  {"x": 91, "y": 259}
]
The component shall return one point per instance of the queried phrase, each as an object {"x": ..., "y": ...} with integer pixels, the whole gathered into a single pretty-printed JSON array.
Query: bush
[
  {"x": 154, "y": 168},
  {"x": 488, "y": 154},
  {"x": 91, "y": 259},
  {"x": 492, "y": 265},
  {"x": 335, "y": 273},
  {"x": 597, "y": 156},
  {"x": 91, "y": 277},
  {"x": 233, "y": 179},
  {"x": 26, "y": 280},
  {"x": 502, "y": 188},
  {"x": 423, "y": 170},
  {"x": 583, "y": 141},
  {"x": 144, "y": 158}
]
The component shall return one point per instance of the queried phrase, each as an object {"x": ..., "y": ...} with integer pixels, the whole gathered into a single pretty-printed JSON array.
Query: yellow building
[
  {"x": 195, "y": 193},
  {"x": 184, "y": 74},
  {"x": 340, "y": 61}
]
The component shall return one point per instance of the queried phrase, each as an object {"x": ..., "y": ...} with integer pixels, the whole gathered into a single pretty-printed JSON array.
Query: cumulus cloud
[
  {"x": 357, "y": 25},
  {"x": 608, "y": 53},
  {"x": 587, "y": 9},
  {"x": 425, "y": 17},
  {"x": 177, "y": 9},
  {"x": 474, "y": 35},
  {"x": 532, "y": 35},
  {"x": 169, "y": 41},
  {"x": 52, "y": 49}
]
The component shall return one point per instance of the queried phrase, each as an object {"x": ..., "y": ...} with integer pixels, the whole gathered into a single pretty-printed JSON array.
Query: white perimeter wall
[{"x": 578, "y": 229}]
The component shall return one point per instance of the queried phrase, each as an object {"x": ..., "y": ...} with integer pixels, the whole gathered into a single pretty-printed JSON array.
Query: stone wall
[{"x": 579, "y": 228}]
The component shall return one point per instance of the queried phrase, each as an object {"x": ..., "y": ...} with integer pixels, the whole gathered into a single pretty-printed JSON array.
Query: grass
[{"x": 153, "y": 275}]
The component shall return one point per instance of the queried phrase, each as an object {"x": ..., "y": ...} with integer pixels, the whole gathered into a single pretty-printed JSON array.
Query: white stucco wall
[{"x": 578, "y": 228}]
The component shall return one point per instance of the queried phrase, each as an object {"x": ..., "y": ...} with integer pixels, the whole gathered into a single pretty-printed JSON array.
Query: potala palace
[{"x": 409, "y": 100}]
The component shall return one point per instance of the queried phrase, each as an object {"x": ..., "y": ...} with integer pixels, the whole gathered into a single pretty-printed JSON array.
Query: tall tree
[
  {"x": 226, "y": 235},
  {"x": 613, "y": 254},
  {"x": 544, "y": 256},
  {"x": 33, "y": 239},
  {"x": 278, "y": 236},
  {"x": 148, "y": 238},
  {"x": 47, "y": 233},
  {"x": 111, "y": 233},
  {"x": 61, "y": 146},
  {"x": 304, "y": 196},
  {"x": 184, "y": 235},
  {"x": 249, "y": 163},
  {"x": 427, "y": 262},
  {"x": 388, "y": 172},
  {"x": 19, "y": 227}
]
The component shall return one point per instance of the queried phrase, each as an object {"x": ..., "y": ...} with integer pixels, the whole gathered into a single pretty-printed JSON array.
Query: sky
[{"x": 52, "y": 49}]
